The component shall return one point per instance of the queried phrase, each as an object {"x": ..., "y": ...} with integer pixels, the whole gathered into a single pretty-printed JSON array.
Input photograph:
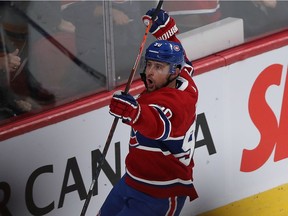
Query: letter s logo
[{"x": 271, "y": 134}]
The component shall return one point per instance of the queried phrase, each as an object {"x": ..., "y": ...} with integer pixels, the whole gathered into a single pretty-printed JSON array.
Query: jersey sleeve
[{"x": 152, "y": 122}]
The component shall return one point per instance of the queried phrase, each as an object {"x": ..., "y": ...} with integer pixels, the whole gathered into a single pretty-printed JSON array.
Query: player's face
[{"x": 157, "y": 74}]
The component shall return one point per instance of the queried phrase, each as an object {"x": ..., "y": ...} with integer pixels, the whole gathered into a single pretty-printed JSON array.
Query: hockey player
[{"x": 159, "y": 165}]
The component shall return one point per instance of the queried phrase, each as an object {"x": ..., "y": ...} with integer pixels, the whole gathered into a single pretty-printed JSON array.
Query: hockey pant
[{"x": 126, "y": 201}]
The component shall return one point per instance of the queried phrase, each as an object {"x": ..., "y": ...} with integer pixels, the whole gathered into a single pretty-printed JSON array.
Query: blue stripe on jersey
[
  {"x": 174, "y": 146},
  {"x": 144, "y": 141}
]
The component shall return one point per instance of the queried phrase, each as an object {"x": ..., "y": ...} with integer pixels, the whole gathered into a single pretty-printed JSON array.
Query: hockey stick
[
  {"x": 115, "y": 122},
  {"x": 96, "y": 74}
]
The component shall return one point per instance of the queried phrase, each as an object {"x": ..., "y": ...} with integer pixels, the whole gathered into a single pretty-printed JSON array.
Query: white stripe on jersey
[
  {"x": 173, "y": 181},
  {"x": 146, "y": 148}
]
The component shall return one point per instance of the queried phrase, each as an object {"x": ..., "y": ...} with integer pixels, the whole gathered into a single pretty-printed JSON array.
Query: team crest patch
[{"x": 176, "y": 48}]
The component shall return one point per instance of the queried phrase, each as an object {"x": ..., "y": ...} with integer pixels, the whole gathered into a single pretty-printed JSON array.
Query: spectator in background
[
  {"x": 10, "y": 103},
  {"x": 16, "y": 36},
  {"x": 11, "y": 61},
  {"x": 12, "y": 40},
  {"x": 260, "y": 17}
]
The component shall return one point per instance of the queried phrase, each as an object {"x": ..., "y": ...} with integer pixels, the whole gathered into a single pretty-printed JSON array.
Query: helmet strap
[
  {"x": 170, "y": 80},
  {"x": 143, "y": 77}
]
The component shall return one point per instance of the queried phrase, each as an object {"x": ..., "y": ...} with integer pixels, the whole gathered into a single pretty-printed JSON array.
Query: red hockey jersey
[{"x": 160, "y": 159}]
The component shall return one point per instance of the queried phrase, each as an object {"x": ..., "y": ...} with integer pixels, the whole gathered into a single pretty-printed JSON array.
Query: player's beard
[{"x": 168, "y": 81}]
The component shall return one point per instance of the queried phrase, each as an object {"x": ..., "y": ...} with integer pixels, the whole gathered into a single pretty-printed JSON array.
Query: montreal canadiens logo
[{"x": 176, "y": 48}]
